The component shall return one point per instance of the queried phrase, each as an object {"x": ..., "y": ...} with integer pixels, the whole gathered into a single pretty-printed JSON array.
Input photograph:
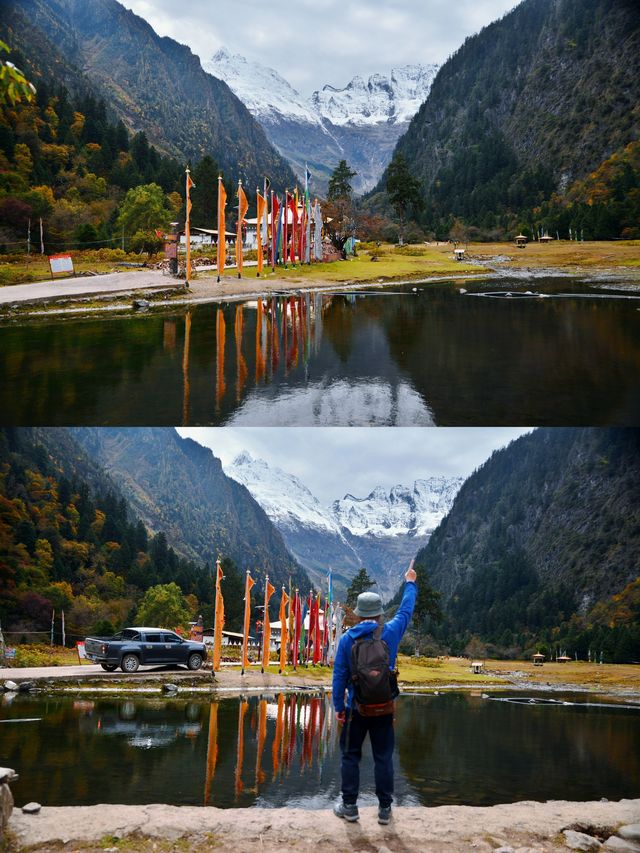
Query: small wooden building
[
  {"x": 521, "y": 241},
  {"x": 538, "y": 659},
  {"x": 564, "y": 659},
  {"x": 458, "y": 254},
  {"x": 545, "y": 238},
  {"x": 477, "y": 667}
]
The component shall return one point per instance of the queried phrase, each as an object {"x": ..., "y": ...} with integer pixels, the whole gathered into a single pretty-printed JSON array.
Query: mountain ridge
[
  {"x": 535, "y": 101},
  {"x": 134, "y": 69}
]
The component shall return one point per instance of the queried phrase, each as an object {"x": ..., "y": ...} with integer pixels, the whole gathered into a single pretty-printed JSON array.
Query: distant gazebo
[
  {"x": 476, "y": 667},
  {"x": 538, "y": 659},
  {"x": 458, "y": 254},
  {"x": 545, "y": 238},
  {"x": 563, "y": 658},
  {"x": 521, "y": 241}
]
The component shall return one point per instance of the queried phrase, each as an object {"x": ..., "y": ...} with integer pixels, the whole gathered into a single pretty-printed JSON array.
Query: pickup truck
[{"x": 136, "y": 647}]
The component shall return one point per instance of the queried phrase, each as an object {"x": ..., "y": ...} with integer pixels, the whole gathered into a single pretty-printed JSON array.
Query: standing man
[{"x": 365, "y": 669}]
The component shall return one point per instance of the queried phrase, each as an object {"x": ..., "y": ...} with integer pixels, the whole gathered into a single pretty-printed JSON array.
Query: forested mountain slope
[
  {"x": 152, "y": 83},
  {"x": 534, "y": 102},
  {"x": 178, "y": 486},
  {"x": 544, "y": 536}
]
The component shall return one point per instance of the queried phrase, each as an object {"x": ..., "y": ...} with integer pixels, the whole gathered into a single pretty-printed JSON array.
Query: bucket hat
[{"x": 369, "y": 605}]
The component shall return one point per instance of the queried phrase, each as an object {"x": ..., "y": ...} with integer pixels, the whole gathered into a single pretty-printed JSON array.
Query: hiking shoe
[
  {"x": 384, "y": 815},
  {"x": 348, "y": 812}
]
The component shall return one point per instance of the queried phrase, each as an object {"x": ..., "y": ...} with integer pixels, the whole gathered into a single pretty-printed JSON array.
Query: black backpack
[{"x": 375, "y": 684}]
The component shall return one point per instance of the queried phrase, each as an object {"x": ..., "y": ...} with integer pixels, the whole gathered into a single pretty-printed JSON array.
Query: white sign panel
[{"x": 61, "y": 263}]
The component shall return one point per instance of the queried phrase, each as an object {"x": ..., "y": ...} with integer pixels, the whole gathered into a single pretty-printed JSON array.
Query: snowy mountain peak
[
  {"x": 379, "y": 100},
  {"x": 403, "y": 510},
  {"x": 267, "y": 95},
  {"x": 285, "y": 499}
]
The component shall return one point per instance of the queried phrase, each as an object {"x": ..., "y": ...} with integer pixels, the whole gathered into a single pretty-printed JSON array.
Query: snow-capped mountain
[
  {"x": 261, "y": 89},
  {"x": 381, "y": 532},
  {"x": 378, "y": 100},
  {"x": 403, "y": 511},
  {"x": 360, "y": 123}
]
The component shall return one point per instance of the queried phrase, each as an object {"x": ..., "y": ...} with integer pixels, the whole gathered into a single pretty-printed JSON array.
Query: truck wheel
[
  {"x": 109, "y": 667},
  {"x": 130, "y": 663},
  {"x": 195, "y": 661}
]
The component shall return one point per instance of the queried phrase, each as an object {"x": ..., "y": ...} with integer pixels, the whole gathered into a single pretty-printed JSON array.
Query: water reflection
[
  {"x": 402, "y": 358},
  {"x": 282, "y": 749}
]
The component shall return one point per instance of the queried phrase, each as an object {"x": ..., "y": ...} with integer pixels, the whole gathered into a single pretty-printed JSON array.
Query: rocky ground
[{"x": 526, "y": 827}]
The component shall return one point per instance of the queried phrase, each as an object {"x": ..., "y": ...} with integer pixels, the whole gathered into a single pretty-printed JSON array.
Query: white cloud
[{"x": 311, "y": 44}]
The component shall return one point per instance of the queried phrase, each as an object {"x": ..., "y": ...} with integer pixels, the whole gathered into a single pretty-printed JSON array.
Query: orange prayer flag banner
[
  {"x": 243, "y": 207},
  {"x": 222, "y": 239},
  {"x": 218, "y": 620},
  {"x": 262, "y": 208},
  {"x": 269, "y": 589},
  {"x": 247, "y": 621}
]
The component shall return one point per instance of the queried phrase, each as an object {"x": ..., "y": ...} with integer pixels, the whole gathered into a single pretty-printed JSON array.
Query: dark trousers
[{"x": 382, "y": 737}]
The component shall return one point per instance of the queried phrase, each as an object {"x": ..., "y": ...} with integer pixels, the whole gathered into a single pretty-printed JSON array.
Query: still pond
[
  {"x": 510, "y": 352},
  {"x": 273, "y": 750}
]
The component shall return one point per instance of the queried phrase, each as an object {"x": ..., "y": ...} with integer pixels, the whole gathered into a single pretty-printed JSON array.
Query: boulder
[
  {"x": 614, "y": 842},
  {"x": 25, "y": 686},
  {"x": 7, "y": 775},
  {"x": 10, "y": 685},
  {"x": 630, "y": 832},
  {"x": 170, "y": 688},
  {"x": 580, "y": 840},
  {"x": 31, "y": 808}
]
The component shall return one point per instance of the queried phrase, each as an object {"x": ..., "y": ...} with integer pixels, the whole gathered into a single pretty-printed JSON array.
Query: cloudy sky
[
  {"x": 334, "y": 461},
  {"x": 311, "y": 43}
]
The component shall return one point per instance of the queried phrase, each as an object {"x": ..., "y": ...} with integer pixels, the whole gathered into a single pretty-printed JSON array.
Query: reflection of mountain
[{"x": 434, "y": 356}]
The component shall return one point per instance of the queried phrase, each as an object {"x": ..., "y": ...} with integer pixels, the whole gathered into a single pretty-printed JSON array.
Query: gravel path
[{"x": 526, "y": 827}]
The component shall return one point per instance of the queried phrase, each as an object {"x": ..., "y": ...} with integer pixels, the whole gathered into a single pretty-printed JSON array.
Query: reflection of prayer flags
[
  {"x": 241, "y": 365},
  {"x": 221, "y": 337},
  {"x": 262, "y": 736},
  {"x": 218, "y": 623},
  {"x": 269, "y": 589},
  {"x": 247, "y": 621},
  {"x": 277, "y": 741},
  {"x": 240, "y": 754},
  {"x": 222, "y": 237},
  {"x": 212, "y": 750}
]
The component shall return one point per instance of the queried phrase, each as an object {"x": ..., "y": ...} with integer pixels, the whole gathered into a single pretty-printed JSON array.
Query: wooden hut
[
  {"x": 458, "y": 254},
  {"x": 563, "y": 658},
  {"x": 538, "y": 659},
  {"x": 521, "y": 241},
  {"x": 477, "y": 667}
]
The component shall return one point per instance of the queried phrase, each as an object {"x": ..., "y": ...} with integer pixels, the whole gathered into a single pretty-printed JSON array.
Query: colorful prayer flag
[
  {"x": 222, "y": 235},
  {"x": 218, "y": 622},
  {"x": 243, "y": 207},
  {"x": 249, "y": 582},
  {"x": 261, "y": 232},
  {"x": 269, "y": 589},
  {"x": 284, "y": 600}
]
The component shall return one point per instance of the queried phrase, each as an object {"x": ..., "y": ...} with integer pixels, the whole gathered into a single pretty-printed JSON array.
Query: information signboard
[{"x": 61, "y": 264}]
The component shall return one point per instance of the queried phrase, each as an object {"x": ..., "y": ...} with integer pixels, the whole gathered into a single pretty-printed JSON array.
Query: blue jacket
[{"x": 392, "y": 633}]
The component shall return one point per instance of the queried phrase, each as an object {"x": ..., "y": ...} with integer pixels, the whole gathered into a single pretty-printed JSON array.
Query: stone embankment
[{"x": 526, "y": 827}]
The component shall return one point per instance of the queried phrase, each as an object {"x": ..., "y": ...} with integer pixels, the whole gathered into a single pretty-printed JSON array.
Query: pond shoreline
[
  {"x": 525, "y": 827},
  {"x": 178, "y": 682}
]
